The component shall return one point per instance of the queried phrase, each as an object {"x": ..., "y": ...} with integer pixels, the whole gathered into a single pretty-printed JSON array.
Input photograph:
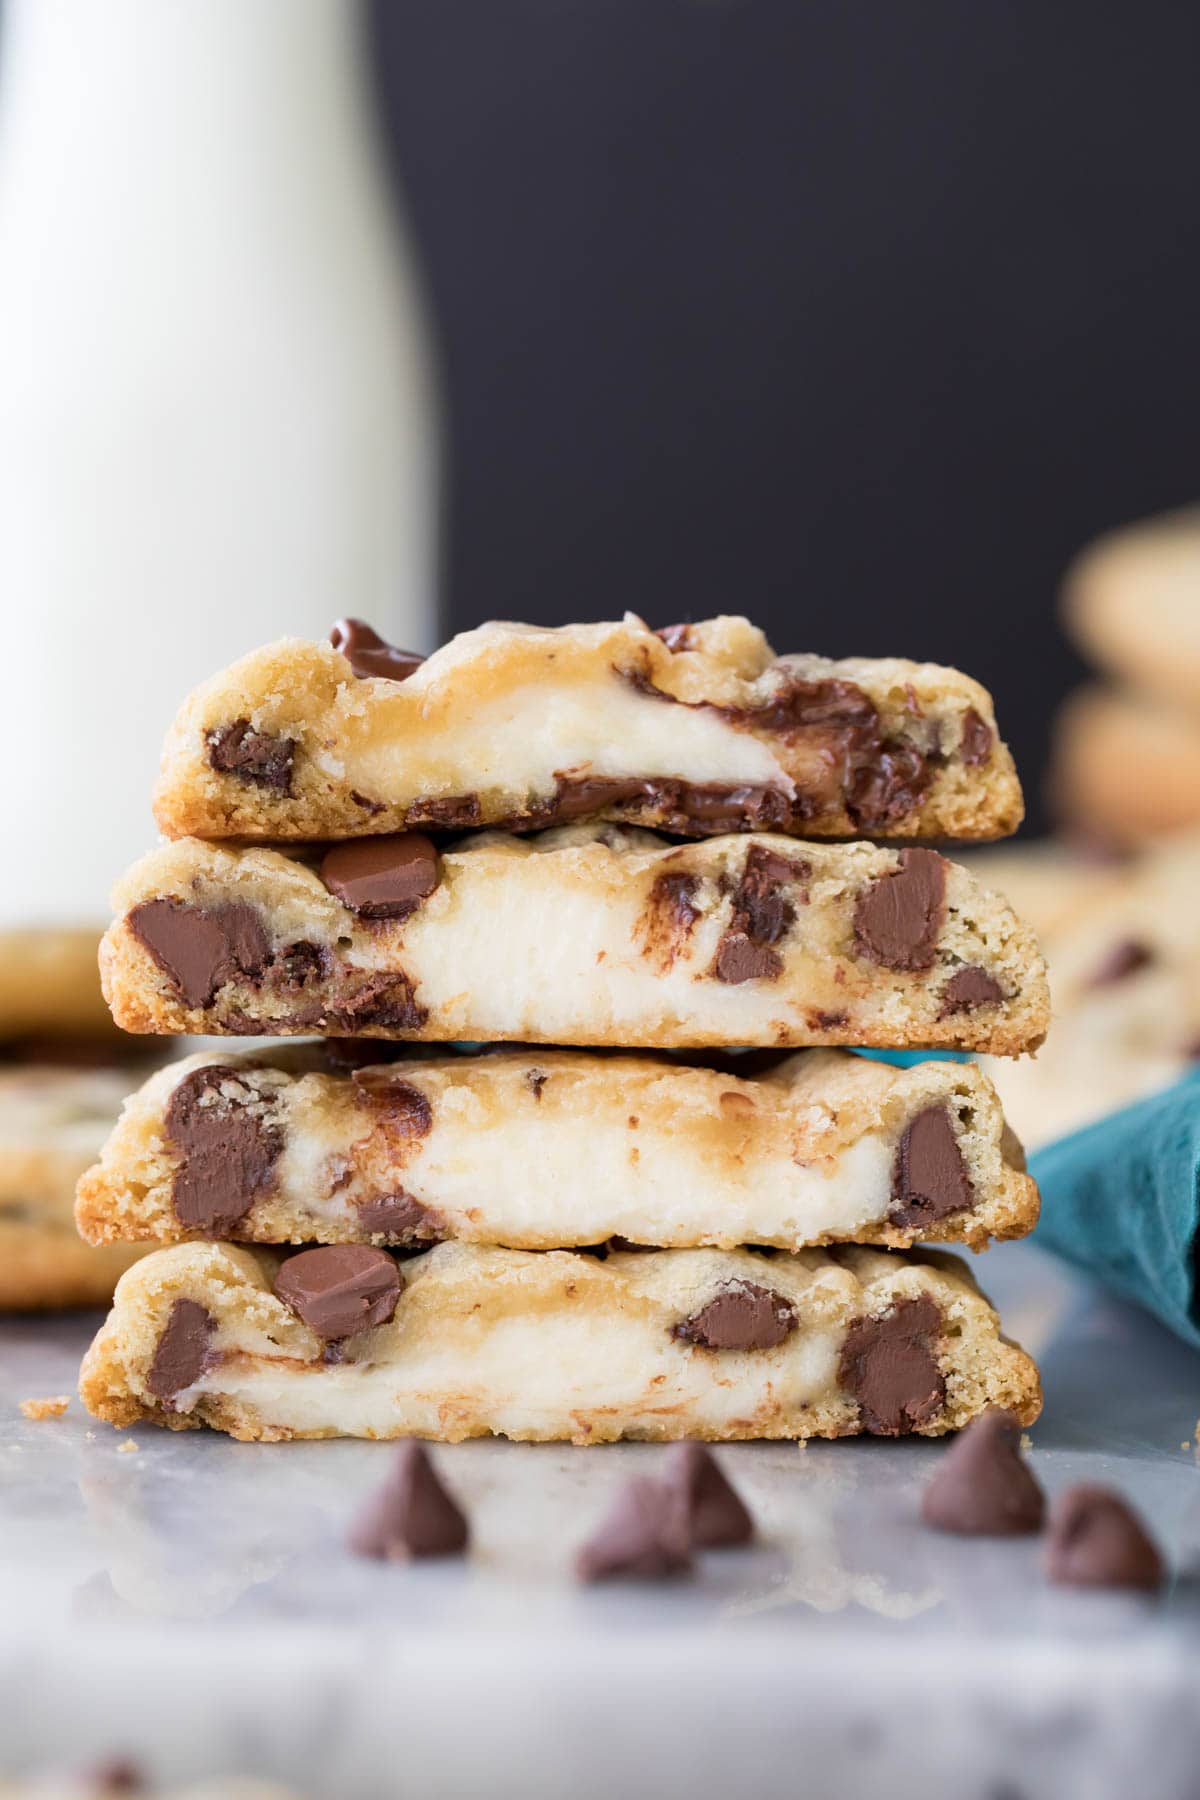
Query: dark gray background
[{"x": 858, "y": 316}]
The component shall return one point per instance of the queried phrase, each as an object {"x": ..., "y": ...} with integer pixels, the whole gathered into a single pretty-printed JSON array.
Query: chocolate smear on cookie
[
  {"x": 411, "y": 1515},
  {"x": 642, "y": 1538},
  {"x": 929, "y": 1177},
  {"x": 740, "y": 1316},
  {"x": 340, "y": 1289},
  {"x": 898, "y": 918},
  {"x": 1095, "y": 1539},
  {"x": 889, "y": 1368},
  {"x": 223, "y": 1129},
  {"x": 369, "y": 654},
  {"x": 983, "y": 1486}
]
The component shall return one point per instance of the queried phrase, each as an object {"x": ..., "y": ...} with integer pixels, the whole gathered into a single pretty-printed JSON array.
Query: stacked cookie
[{"x": 656, "y": 1232}]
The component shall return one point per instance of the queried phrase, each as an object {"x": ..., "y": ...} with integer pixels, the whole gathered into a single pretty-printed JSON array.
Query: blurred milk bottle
[{"x": 218, "y": 417}]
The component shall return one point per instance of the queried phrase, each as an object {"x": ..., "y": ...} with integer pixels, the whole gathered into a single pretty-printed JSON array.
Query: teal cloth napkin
[{"x": 1122, "y": 1200}]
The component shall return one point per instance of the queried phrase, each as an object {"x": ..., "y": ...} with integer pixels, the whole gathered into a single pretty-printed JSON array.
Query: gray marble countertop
[{"x": 189, "y": 1602}]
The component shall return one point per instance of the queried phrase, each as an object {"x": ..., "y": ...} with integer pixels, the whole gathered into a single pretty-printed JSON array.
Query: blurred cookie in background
[
  {"x": 65, "y": 1070},
  {"x": 1126, "y": 766},
  {"x": 1124, "y": 964},
  {"x": 1047, "y": 881},
  {"x": 1131, "y": 602}
]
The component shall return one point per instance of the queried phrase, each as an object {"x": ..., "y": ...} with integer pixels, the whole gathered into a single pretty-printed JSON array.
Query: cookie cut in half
[
  {"x": 463, "y": 1341},
  {"x": 698, "y": 729},
  {"x": 584, "y": 935}
]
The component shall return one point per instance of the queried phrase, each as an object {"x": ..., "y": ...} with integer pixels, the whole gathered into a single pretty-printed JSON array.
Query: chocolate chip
[
  {"x": 181, "y": 1355},
  {"x": 643, "y": 1537},
  {"x": 300, "y": 965},
  {"x": 714, "y": 1514},
  {"x": 929, "y": 1177},
  {"x": 411, "y": 1515},
  {"x": 339, "y": 1289},
  {"x": 382, "y": 877},
  {"x": 384, "y": 1001},
  {"x": 222, "y": 1128},
  {"x": 535, "y": 1081},
  {"x": 253, "y": 756},
  {"x": 977, "y": 739},
  {"x": 883, "y": 784},
  {"x": 1094, "y": 1539},
  {"x": 888, "y": 1366},
  {"x": 899, "y": 916},
  {"x": 741, "y": 1316},
  {"x": 983, "y": 1487},
  {"x": 408, "y": 1110},
  {"x": 670, "y": 914},
  {"x": 739, "y": 960},
  {"x": 201, "y": 948},
  {"x": 1124, "y": 959},
  {"x": 399, "y": 1218},
  {"x": 369, "y": 654},
  {"x": 968, "y": 988}
]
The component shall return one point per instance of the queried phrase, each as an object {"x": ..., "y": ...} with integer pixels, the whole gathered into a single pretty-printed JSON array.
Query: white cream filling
[
  {"x": 520, "y": 741},
  {"x": 565, "y": 1181},
  {"x": 539, "y": 1375}
]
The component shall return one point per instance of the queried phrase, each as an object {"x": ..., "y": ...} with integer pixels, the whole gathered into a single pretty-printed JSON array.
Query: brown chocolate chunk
[
  {"x": 899, "y": 916},
  {"x": 929, "y": 1177},
  {"x": 643, "y": 1537},
  {"x": 408, "y": 1111},
  {"x": 339, "y": 1289},
  {"x": 1095, "y": 1539},
  {"x": 181, "y": 1355},
  {"x": 384, "y": 1001},
  {"x": 300, "y": 965},
  {"x": 763, "y": 910},
  {"x": 983, "y": 1487},
  {"x": 714, "y": 1513},
  {"x": 1126, "y": 958},
  {"x": 970, "y": 987},
  {"x": 740, "y": 1316},
  {"x": 369, "y": 654},
  {"x": 977, "y": 739},
  {"x": 411, "y": 1515},
  {"x": 883, "y": 784},
  {"x": 253, "y": 756},
  {"x": 670, "y": 913},
  {"x": 202, "y": 947},
  {"x": 400, "y": 1218},
  {"x": 223, "y": 1130},
  {"x": 739, "y": 960},
  {"x": 382, "y": 877},
  {"x": 888, "y": 1366}
]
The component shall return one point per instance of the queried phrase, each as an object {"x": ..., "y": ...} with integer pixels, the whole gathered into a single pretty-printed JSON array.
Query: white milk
[{"x": 217, "y": 407}]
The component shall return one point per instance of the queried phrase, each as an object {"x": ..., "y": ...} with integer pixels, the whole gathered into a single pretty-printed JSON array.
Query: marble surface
[{"x": 189, "y": 1602}]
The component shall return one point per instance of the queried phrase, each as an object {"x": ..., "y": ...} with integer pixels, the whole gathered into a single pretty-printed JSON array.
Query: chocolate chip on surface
[
  {"x": 399, "y": 1217},
  {"x": 181, "y": 1355},
  {"x": 899, "y": 916},
  {"x": 983, "y": 1487},
  {"x": 253, "y": 756},
  {"x": 201, "y": 948},
  {"x": 1126, "y": 958},
  {"x": 338, "y": 1289},
  {"x": 369, "y": 654},
  {"x": 404, "y": 1108},
  {"x": 643, "y": 1537},
  {"x": 970, "y": 987},
  {"x": 715, "y": 1516},
  {"x": 929, "y": 1177},
  {"x": 224, "y": 1131},
  {"x": 977, "y": 738},
  {"x": 740, "y": 1316},
  {"x": 889, "y": 1368},
  {"x": 382, "y": 877},
  {"x": 1095, "y": 1539},
  {"x": 411, "y": 1515}
]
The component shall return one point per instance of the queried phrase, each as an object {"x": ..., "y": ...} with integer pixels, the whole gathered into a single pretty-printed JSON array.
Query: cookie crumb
[
  {"x": 127, "y": 1448},
  {"x": 51, "y": 1408},
  {"x": 1026, "y": 1441}
]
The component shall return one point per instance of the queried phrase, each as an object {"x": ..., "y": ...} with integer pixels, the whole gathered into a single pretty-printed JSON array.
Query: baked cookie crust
[
  {"x": 557, "y": 1345},
  {"x": 590, "y": 935},
  {"x": 699, "y": 730}
]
